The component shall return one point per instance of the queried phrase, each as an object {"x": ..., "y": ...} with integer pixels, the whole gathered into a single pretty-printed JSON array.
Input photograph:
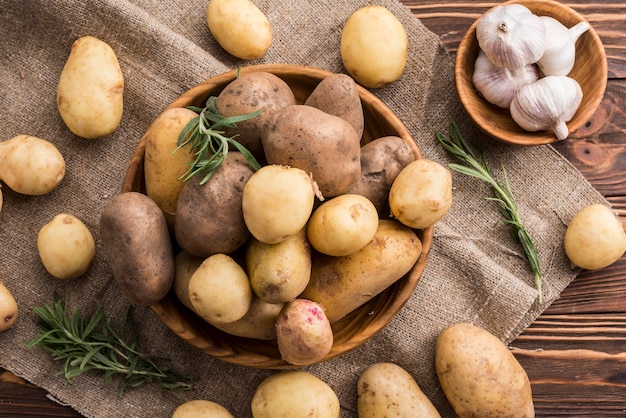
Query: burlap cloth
[{"x": 476, "y": 272}]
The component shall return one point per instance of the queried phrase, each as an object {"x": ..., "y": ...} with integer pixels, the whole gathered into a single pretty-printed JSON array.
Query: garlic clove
[
  {"x": 547, "y": 104},
  {"x": 560, "y": 53},
  {"x": 498, "y": 85},
  {"x": 511, "y": 36}
]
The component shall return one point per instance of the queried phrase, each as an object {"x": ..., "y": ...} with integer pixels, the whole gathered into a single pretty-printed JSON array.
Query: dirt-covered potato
[
  {"x": 595, "y": 238},
  {"x": 294, "y": 393},
  {"x": 91, "y": 89},
  {"x": 324, "y": 145},
  {"x": 342, "y": 225},
  {"x": 342, "y": 284},
  {"x": 186, "y": 265},
  {"x": 209, "y": 217},
  {"x": 248, "y": 93},
  {"x": 219, "y": 290},
  {"x": 480, "y": 376},
  {"x": 421, "y": 194},
  {"x": 137, "y": 245},
  {"x": 259, "y": 322},
  {"x": 381, "y": 161},
  {"x": 31, "y": 165},
  {"x": 279, "y": 272},
  {"x": 374, "y": 46},
  {"x": 8, "y": 308},
  {"x": 303, "y": 333},
  {"x": 200, "y": 408},
  {"x": 66, "y": 246},
  {"x": 240, "y": 27},
  {"x": 388, "y": 390},
  {"x": 163, "y": 165},
  {"x": 338, "y": 95},
  {"x": 277, "y": 202}
]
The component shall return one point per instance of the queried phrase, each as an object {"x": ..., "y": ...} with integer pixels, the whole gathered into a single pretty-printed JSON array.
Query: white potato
[
  {"x": 31, "y": 165},
  {"x": 186, "y": 265},
  {"x": 219, "y": 290},
  {"x": 91, "y": 89},
  {"x": 199, "y": 408},
  {"x": 259, "y": 322},
  {"x": 374, "y": 46},
  {"x": 240, "y": 27},
  {"x": 66, "y": 246},
  {"x": 8, "y": 308},
  {"x": 595, "y": 238}
]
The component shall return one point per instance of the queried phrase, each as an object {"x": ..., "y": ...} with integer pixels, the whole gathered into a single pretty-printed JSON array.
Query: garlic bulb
[
  {"x": 547, "y": 104},
  {"x": 560, "y": 53},
  {"x": 498, "y": 85},
  {"x": 511, "y": 36}
]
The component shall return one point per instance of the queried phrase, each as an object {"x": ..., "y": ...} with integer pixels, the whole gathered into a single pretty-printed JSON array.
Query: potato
[
  {"x": 374, "y": 46},
  {"x": 277, "y": 202},
  {"x": 240, "y": 27},
  {"x": 137, "y": 245},
  {"x": 326, "y": 146},
  {"x": 185, "y": 264},
  {"x": 479, "y": 375},
  {"x": 219, "y": 290},
  {"x": 421, "y": 194},
  {"x": 199, "y": 408},
  {"x": 343, "y": 225},
  {"x": 209, "y": 217},
  {"x": 1, "y": 198},
  {"x": 66, "y": 246},
  {"x": 303, "y": 333},
  {"x": 31, "y": 165},
  {"x": 342, "y": 284},
  {"x": 90, "y": 93},
  {"x": 294, "y": 393},
  {"x": 338, "y": 95},
  {"x": 8, "y": 308},
  {"x": 381, "y": 161},
  {"x": 388, "y": 390},
  {"x": 259, "y": 322},
  {"x": 279, "y": 272},
  {"x": 595, "y": 238},
  {"x": 246, "y": 94},
  {"x": 163, "y": 165}
]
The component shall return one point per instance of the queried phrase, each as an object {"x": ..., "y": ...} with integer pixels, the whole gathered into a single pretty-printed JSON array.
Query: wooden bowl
[
  {"x": 590, "y": 70},
  {"x": 349, "y": 332}
]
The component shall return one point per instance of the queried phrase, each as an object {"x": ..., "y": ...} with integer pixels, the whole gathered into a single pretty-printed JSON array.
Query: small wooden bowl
[
  {"x": 349, "y": 332},
  {"x": 590, "y": 70}
]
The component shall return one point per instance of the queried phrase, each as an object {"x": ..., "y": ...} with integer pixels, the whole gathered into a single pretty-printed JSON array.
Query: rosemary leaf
[
  {"x": 474, "y": 165},
  {"x": 92, "y": 343}
]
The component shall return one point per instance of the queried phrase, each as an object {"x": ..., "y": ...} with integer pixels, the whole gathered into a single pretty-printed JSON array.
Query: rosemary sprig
[
  {"x": 92, "y": 343},
  {"x": 476, "y": 166},
  {"x": 207, "y": 140}
]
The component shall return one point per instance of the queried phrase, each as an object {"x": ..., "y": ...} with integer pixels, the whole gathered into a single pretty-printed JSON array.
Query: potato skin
[
  {"x": 209, "y": 217},
  {"x": 198, "y": 408},
  {"x": 388, "y": 390},
  {"x": 186, "y": 264},
  {"x": 480, "y": 376},
  {"x": 259, "y": 322},
  {"x": 91, "y": 89},
  {"x": 8, "y": 308},
  {"x": 325, "y": 145},
  {"x": 342, "y": 284},
  {"x": 138, "y": 248},
  {"x": 294, "y": 393}
]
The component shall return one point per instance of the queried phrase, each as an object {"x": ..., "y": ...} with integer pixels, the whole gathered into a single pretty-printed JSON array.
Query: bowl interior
[
  {"x": 590, "y": 70},
  {"x": 349, "y": 332}
]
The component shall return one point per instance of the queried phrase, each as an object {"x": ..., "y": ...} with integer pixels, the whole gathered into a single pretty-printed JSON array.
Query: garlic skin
[
  {"x": 560, "y": 53},
  {"x": 499, "y": 85},
  {"x": 511, "y": 36},
  {"x": 547, "y": 104}
]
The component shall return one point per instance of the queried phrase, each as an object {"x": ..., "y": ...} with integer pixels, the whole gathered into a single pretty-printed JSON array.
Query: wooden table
[{"x": 575, "y": 353}]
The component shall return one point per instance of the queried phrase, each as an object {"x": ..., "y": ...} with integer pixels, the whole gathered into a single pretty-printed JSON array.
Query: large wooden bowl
[
  {"x": 349, "y": 332},
  {"x": 590, "y": 70}
]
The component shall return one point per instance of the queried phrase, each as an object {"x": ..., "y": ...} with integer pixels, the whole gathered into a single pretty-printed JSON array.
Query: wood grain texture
[{"x": 575, "y": 353}]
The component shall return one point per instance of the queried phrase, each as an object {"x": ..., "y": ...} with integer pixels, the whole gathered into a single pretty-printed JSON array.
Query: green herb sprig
[
  {"x": 476, "y": 166},
  {"x": 205, "y": 135},
  {"x": 92, "y": 343}
]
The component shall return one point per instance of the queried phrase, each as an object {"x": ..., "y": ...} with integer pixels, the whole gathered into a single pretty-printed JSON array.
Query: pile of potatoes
[{"x": 285, "y": 251}]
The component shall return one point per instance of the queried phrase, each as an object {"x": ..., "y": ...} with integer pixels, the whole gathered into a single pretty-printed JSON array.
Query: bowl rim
[
  {"x": 174, "y": 314},
  {"x": 466, "y": 91}
]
